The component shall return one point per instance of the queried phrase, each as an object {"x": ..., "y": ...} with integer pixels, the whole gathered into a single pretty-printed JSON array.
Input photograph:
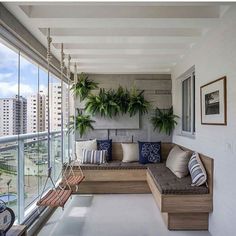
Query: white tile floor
[{"x": 110, "y": 215}]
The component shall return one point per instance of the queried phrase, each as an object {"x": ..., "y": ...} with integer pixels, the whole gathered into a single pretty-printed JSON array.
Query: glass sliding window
[
  {"x": 188, "y": 104},
  {"x": 43, "y": 128},
  {"x": 65, "y": 102},
  {"x": 29, "y": 101},
  {"x": 55, "y": 100},
  {"x": 9, "y": 125}
]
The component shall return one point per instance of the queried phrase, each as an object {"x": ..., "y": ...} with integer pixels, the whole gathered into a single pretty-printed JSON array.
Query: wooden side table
[{"x": 17, "y": 230}]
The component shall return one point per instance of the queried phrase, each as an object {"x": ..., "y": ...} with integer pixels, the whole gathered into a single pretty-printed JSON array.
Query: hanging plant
[
  {"x": 122, "y": 99},
  {"x": 83, "y": 87},
  {"x": 137, "y": 103},
  {"x": 164, "y": 120},
  {"x": 104, "y": 104},
  {"x": 82, "y": 123}
]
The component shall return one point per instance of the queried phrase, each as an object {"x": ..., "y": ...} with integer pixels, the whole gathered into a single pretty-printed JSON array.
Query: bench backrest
[
  {"x": 165, "y": 149},
  {"x": 117, "y": 154}
]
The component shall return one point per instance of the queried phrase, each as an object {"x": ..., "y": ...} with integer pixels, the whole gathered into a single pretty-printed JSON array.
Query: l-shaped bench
[{"x": 183, "y": 207}]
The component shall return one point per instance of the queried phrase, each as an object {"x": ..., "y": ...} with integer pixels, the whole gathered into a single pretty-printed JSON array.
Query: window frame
[{"x": 190, "y": 74}]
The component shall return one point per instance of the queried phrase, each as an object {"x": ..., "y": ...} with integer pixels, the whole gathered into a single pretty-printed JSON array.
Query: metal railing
[{"x": 22, "y": 145}]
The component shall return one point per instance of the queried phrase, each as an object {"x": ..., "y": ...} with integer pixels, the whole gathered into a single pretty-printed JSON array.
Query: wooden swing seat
[
  {"x": 55, "y": 198},
  {"x": 75, "y": 180}
]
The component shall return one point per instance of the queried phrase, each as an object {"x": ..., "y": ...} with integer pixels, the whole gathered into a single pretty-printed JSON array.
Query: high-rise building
[
  {"x": 55, "y": 93},
  {"x": 36, "y": 113},
  {"x": 14, "y": 115}
]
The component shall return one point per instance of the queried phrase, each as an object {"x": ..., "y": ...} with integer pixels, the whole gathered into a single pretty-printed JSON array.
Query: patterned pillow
[
  {"x": 149, "y": 152},
  {"x": 106, "y": 145},
  {"x": 197, "y": 170},
  {"x": 94, "y": 156}
]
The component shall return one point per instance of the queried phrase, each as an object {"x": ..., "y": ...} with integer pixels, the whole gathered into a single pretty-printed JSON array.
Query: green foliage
[
  {"x": 137, "y": 103},
  {"x": 122, "y": 99},
  {"x": 83, "y": 87},
  {"x": 104, "y": 104},
  {"x": 110, "y": 103},
  {"x": 164, "y": 120},
  {"x": 81, "y": 122}
]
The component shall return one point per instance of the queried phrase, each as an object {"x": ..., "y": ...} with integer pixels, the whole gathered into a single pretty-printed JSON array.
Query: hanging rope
[
  {"x": 62, "y": 104},
  {"x": 49, "y": 40},
  {"x": 57, "y": 196}
]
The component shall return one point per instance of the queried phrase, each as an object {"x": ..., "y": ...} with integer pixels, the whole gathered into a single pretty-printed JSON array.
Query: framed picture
[{"x": 213, "y": 103}]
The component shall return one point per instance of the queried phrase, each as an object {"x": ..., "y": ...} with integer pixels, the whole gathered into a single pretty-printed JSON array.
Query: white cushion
[
  {"x": 88, "y": 145},
  {"x": 130, "y": 152},
  {"x": 177, "y": 161}
]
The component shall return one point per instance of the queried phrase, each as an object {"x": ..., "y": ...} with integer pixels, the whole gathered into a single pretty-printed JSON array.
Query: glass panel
[
  {"x": 43, "y": 127},
  {"x": 55, "y": 100},
  {"x": 186, "y": 96},
  {"x": 65, "y": 121},
  {"x": 9, "y": 125},
  {"x": 29, "y": 123}
]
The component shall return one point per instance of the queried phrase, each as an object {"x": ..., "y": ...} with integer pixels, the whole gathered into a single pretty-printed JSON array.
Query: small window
[{"x": 188, "y": 103}]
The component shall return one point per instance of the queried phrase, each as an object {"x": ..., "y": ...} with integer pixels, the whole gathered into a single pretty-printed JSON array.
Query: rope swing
[{"x": 57, "y": 196}]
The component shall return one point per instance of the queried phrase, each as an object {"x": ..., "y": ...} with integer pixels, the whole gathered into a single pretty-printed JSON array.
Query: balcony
[{"x": 24, "y": 163}]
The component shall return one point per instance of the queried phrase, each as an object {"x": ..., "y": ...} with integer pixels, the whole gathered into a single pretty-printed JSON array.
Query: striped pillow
[
  {"x": 94, "y": 156},
  {"x": 197, "y": 170}
]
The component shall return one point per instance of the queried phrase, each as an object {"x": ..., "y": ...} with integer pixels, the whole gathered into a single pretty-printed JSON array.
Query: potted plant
[
  {"x": 83, "y": 87},
  {"x": 137, "y": 103},
  {"x": 104, "y": 104},
  {"x": 164, "y": 120},
  {"x": 82, "y": 123}
]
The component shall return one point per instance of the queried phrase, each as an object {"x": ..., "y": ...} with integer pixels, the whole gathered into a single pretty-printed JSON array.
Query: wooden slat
[
  {"x": 187, "y": 221},
  {"x": 115, "y": 175},
  {"x": 55, "y": 198},
  {"x": 186, "y": 203},
  {"x": 103, "y": 187}
]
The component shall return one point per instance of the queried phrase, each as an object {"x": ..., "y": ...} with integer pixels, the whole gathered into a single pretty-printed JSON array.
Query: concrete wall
[
  {"x": 214, "y": 57},
  {"x": 157, "y": 90}
]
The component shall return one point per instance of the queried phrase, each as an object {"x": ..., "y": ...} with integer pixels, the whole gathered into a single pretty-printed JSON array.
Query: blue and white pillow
[
  {"x": 149, "y": 152},
  {"x": 197, "y": 170},
  {"x": 106, "y": 145},
  {"x": 94, "y": 156}
]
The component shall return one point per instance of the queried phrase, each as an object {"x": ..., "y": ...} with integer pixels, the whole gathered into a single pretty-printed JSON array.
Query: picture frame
[{"x": 214, "y": 102}]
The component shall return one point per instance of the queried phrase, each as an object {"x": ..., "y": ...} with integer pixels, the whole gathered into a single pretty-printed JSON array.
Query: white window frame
[{"x": 189, "y": 74}]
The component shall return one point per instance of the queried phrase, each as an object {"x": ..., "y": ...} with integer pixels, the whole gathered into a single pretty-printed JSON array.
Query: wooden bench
[
  {"x": 180, "y": 212},
  {"x": 186, "y": 212}
]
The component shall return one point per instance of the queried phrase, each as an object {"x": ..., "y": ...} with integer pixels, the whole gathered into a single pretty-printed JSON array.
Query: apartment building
[
  {"x": 14, "y": 116},
  {"x": 36, "y": 112}
]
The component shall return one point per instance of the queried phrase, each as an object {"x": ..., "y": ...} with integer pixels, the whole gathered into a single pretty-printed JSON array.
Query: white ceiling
[{"x": 120, "y": 37}]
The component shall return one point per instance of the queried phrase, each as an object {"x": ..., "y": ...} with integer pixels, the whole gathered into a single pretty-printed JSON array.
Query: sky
[{"x": 28, "y": 75}]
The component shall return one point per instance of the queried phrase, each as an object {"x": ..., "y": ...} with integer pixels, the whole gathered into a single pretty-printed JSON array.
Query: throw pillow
[
  {"x": 149, "y": 152},
  {"x": 130, "y": 152},
  {"x": 197, "y": 170},
  {"x": 94, "y": 156},
  {"x": 177, "y": 161},
  {"x": 89, "y": 145},
  {"x": 106, "y": 145}
]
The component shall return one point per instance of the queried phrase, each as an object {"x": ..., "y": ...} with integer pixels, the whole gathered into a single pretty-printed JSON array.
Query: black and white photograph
[{"x": 213, "y": 103}]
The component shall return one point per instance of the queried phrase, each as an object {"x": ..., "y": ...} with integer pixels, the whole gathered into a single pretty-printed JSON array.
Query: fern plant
[
  {"x": 122, "y": 99},
  {"x": 83, "y": 87},
  {"x": 164, "y": 120},
  {"x": 137, "y": 103},
  {"x": 82, "y": 123},
  {"x": 104, "y": 104}
]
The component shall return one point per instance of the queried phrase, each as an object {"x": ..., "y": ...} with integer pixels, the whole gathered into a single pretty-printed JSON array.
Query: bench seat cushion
[
  {"x": 168, "y": 183},
  {"x": 117, "y": 165}
]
